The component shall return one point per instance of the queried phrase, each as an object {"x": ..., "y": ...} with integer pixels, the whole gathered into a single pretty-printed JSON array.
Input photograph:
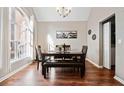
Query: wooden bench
[{"x": 76, "y": 63}]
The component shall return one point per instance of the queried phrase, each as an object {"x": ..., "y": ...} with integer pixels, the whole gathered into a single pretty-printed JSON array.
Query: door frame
[{"x": 101, "y": 39}]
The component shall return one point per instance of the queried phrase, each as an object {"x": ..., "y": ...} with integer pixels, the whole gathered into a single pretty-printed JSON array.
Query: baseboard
[
  {"x": 93, "y": 63},
  {"x": 12, "y": 73},
  {"x": 119, "y": 79}
]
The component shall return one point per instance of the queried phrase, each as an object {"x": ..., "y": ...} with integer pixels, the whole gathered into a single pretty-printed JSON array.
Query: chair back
[
  {"x": 67, "y": 47},
  {"x": 36, "y": 53},
  {"x": 39, "y": 52},
  {"x": 63, "y": 47},
  {"x": 84, "y": 52},
  {"x": 84, "y": 49}
]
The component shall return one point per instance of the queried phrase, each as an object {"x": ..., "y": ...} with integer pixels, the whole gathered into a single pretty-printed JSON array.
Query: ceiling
[{"x": 50, "y": 14}]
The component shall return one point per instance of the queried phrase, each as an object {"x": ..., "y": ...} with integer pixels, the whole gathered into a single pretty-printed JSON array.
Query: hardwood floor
[{"x": 62, "y": 77}]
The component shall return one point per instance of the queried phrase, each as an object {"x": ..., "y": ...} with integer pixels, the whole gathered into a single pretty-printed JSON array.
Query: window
[
  {"x": 50, "y": 43},
  {"x": 21, "y": 34}
]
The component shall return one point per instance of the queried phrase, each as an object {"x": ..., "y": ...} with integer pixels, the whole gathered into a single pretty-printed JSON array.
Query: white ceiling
[{"x": 50, "y": 14}]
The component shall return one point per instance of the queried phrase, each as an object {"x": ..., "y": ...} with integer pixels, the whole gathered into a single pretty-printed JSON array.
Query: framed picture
[
  {"x": 89, "y": 31},
  {"x": 94, "y": 36},
  {"x": 66, "y": 34}
]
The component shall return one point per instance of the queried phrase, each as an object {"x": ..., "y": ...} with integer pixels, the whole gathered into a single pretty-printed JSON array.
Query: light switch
[{"x": 119, "y": 41}]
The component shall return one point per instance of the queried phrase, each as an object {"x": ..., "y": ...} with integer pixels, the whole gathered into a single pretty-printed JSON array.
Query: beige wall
[
  {"x": 97, "y": 15},
  {"x": 50, "y": 28}
]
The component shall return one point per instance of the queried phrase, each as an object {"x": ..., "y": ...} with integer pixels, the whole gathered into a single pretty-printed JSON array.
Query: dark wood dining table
[
  {"x": 62, "y": 54},
  {"x": 74, "y": 62}
]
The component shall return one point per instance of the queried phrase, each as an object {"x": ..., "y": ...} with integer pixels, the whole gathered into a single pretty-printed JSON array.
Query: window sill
[{"x": 18, "y": 60}]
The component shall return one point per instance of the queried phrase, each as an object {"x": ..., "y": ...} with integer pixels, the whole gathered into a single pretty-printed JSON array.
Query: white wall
[
  {"x": 120, "y": 45},
  {"x": 50, "y": 28},
  {"x": 97, "y": 15}
]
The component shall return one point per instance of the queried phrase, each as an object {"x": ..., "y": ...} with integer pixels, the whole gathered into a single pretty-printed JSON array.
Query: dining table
[
  {"x": 63, "y": 54},
  {"x": 74, "y": 62}
]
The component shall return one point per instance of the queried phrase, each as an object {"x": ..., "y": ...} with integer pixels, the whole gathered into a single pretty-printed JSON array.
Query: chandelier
[{"x": 63, "y": 11}]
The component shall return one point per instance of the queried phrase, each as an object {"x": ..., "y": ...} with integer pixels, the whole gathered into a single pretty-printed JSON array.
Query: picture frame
[
  {"x": 89, "y": 32},
  {"x": 66, "y": 34},
  {"x": 94, "y": 36}
]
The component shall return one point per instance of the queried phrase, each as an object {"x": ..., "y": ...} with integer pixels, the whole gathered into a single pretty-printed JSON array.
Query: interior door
[{"x": 107, "y": 45}]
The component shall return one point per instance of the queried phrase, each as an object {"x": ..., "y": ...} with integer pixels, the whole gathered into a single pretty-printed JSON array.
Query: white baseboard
[
  {"x": 12, "y": 73},
  {"x": 94, "y": 63},
  {"x": 119, "y": 79}
]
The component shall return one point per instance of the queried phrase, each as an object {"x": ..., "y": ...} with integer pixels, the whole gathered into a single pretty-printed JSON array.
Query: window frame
[{"x": 29, "y": 28}]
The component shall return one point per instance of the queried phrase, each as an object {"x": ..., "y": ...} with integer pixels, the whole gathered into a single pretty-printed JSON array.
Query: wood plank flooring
[{"x": 62, "y": 77}]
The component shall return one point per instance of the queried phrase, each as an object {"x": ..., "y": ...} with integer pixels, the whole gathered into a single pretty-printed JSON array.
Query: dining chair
[
  {"x": 84, "y": 51},
  {"x": 58, "y": 57},
  {"x": 66, "y": 47},
  {"x": 39, "y": 56}
]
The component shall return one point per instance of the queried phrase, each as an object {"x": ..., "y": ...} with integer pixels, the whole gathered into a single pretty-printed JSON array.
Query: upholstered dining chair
[
  {"x": 39, "y": 56},
  {"x": 84, "y": 51}
]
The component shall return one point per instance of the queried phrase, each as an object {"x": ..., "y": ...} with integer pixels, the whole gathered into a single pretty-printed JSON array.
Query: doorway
[{"x": 108, "y": 43}]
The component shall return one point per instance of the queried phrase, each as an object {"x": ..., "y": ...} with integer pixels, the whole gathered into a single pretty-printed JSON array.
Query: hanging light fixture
[{"x": 64, "y": 11}]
